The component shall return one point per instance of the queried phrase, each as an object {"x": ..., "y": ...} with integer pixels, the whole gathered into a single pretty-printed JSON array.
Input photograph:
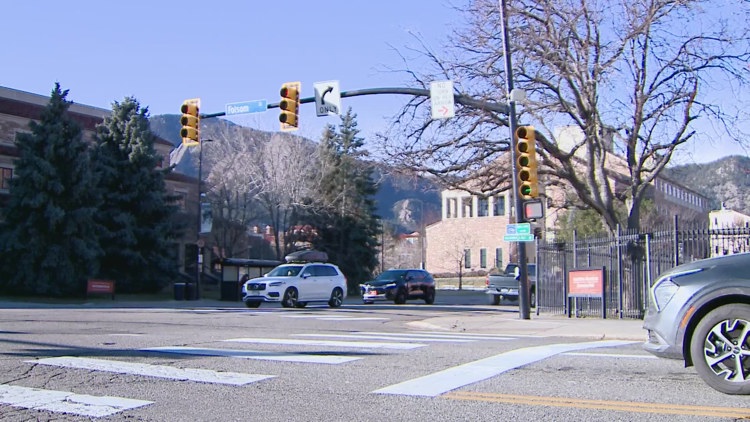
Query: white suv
[{"x": 296, "y": 284}]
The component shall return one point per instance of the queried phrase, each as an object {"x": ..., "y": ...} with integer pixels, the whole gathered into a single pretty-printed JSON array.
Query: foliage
[
  {"x": 137, "y": 212},
  {"x": 613, "y": 88},
  {"x": 342, "y": 209},
  {"x": 49, "y": 241}
]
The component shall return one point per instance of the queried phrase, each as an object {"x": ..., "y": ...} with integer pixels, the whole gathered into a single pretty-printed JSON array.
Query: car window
[
  {"x": 285, "y": 271},
  {"x": 391, "y": 275},
  {"x": 321, "y": 270}
]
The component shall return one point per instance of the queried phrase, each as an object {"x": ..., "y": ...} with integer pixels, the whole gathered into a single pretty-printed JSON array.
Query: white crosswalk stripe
[
  {"x": 329, "y": 343},
  {"x": 66, "y": 402},
  {"x": 255, "y": 354},
  {"x": 157, "y": 371}
]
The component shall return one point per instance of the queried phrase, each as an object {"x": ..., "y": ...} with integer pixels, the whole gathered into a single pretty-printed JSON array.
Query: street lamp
[{"x": 199, "y": 243}]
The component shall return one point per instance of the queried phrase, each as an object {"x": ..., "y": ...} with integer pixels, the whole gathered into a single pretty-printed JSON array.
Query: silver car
[{"x": 700, "y": 313}]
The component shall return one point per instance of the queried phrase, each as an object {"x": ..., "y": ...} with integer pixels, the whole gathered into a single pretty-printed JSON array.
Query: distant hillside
[
  {"x": 726, "y": 180},
  {"x": 395, "y": 192}
]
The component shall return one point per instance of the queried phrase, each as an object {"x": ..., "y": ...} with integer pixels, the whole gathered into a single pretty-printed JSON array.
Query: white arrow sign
[
  {"x": 327, "y": 98},
  {"x": 441, "y": 99}
]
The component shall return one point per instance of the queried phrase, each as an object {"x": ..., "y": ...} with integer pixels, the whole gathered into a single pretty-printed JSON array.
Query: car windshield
[
  {"x": 285, "y": 271},
  {"x": 391, "y": 275}
]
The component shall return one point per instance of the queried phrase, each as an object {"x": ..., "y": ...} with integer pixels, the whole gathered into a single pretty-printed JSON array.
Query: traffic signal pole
[{"x": 524, "y": 291}]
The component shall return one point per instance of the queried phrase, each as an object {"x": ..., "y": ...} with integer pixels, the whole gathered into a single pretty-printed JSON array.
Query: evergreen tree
[
  {"x": 346, "y": 220},
  {"x": 49, "y": 239},
  {"x": 137, "y": 212}
]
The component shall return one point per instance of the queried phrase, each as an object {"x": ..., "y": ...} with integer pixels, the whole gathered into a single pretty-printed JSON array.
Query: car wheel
[
  {"x": 720, "y": 348},
  {"x": 496, "y": 299},
  {"x": 429, "y": 298},
  {"x": 337, "y": 298},
  {"x": 368, "y": 302},
  {"x": 290, "y": 298},
  {"x": 300, "y": 304},
  {"x": 252, "y": 303},
  {"x": 400, "y": 297}
]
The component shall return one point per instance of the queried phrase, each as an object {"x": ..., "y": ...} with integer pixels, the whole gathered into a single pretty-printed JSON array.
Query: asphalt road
[{"x": 380, "y": 362}]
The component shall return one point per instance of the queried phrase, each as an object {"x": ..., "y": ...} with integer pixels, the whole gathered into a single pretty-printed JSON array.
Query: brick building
[{"x": 19, "y": 108}]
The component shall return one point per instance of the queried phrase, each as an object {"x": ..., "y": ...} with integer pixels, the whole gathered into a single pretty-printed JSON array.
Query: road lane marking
[
  {"x": 623, "y": 406},
  {"x": 66, "y": 402},
  {"x": 329, "y": 343},
  {"x": 611, "y": 355},
  {"x": 463, "y": 336},
  {"x": 501, "y": 335},
  {"x": 255, "y": 354},
  {"x": 458, "y": 376},
  {"x": 334, "y": 317},
  {"x": 157, "y": 371},
  {"x": 374, "y": 337}
]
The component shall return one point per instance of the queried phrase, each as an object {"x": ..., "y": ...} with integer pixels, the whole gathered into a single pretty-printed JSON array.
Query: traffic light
[
  {"x": 191, "y": 122},
  {"x": 289, "y": 106},
  {"x": 528, "y": 184}
]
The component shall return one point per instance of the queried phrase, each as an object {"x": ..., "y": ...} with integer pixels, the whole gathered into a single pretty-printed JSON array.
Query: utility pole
[{"x": 524, "y": 303}]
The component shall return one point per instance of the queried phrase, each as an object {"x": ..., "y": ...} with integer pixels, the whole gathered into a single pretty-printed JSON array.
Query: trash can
[
  {"x": 179, "y": 291},
  {"x": 191, "y": 293}
]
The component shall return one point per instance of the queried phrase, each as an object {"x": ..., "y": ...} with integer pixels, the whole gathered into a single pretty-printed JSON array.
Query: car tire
[
  {"x": 368, "y": 302},
  {"x": 496, "y": 299},
  {"x": 252, "y": 303},
  {"x": 429, "y": 297},
  {"x": 290, "y": 298},
  {"x": 300, "y": 304},
  {"x": 708, "y": 342},
  {"x": 400, "y": 297},
  {"x": 337, "y": 298}
]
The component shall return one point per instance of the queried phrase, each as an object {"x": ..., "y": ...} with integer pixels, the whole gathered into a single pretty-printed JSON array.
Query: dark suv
[{"x": 399, "y": 286}]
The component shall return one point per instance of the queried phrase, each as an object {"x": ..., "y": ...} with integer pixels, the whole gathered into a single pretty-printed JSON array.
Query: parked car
[
  {"x": 505, "y": 285},
  {"x": 700, "y": 313},
  {"x": 297, "y": 283},
  {"x": 400, "y": 286}
]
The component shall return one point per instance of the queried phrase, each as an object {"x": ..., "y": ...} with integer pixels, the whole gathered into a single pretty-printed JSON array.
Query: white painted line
[
  {"x": 66, "y": 402},
  {"x": 332, "y": 343},
  {"x": 374, "y": 337},
  {"x": 325, "y": 317},
  {"x": 611, "y": 355},
  {"x": 458, "y": 376},
  {"x": 158, "y": 371},
  {"x": 461, "y": 336},
  {"x": 255, "y": 354},
  {"x": 484, "y": 335}
]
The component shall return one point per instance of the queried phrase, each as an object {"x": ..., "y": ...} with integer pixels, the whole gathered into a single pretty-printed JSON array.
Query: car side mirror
[{"x": 306, "y": 275}]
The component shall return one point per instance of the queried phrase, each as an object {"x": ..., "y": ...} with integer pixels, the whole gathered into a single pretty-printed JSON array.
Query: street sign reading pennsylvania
[{"x": 255, "y": 106}]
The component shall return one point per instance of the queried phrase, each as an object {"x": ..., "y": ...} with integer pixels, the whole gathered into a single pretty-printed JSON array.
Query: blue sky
[{"x": 163, "y": 52}]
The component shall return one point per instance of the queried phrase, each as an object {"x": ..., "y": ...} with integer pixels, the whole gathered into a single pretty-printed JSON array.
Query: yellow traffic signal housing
[
  {"x": 528, "y": 183},
  {"x": 191, "y": 122},
  {"x": 289, "y": 106}
]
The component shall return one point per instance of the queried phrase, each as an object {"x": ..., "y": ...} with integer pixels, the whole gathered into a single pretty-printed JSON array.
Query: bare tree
[{"x": 633, "y": 77}]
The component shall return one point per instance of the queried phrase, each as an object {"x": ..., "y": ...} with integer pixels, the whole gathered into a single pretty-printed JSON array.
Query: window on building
[
  {"x": 483, "y": 207},
  {"x": 180, "y": 199},
  {"x": 483, "y": 258},
  {"x": 5, "y": 175},
  {"x": 498, "y": 257},
  {"x": 467, "y": 258},
  {"x": 499, "y": 205},
  {"x": 467, "y": 204},
  {"x": 450, "y": 204}
]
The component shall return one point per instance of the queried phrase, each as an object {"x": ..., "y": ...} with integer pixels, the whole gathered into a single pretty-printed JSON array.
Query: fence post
[
  {"x": 619, "y": 271},
  {"x": 676, "y": 242}
]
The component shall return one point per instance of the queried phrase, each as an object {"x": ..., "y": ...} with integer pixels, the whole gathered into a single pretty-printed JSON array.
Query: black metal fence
[{"x": 631, "y": 263}]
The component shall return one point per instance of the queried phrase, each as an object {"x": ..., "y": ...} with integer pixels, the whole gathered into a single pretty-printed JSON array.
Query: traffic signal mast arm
[{"x": 417, "y": 92}]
